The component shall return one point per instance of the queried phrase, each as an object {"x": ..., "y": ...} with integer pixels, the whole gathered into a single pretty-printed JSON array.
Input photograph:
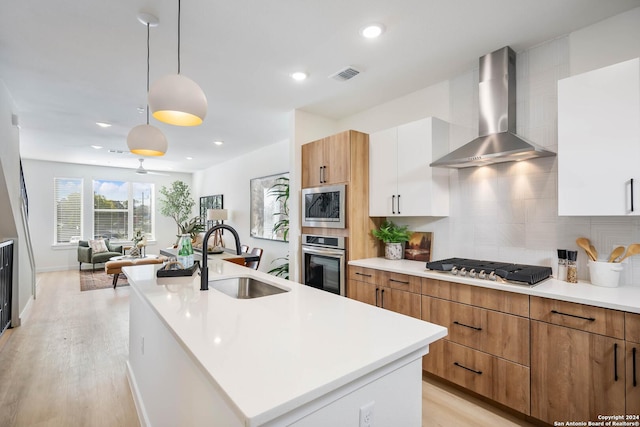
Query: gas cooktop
[{"x": 490, "y": 270}]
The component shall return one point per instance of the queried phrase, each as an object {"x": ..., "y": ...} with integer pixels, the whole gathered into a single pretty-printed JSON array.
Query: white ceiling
[{"x": 71, "y": 63}]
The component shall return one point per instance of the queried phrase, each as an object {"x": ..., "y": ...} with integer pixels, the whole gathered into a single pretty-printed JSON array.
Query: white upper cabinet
[
  {"x": 599, "y": 141},
  {"x": 401, "y": 182}
]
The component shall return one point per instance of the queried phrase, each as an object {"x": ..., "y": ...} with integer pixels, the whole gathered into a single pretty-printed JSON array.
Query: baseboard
[
  {"x": 137, "y": 398},
  {"x": 24, "y": 314}
]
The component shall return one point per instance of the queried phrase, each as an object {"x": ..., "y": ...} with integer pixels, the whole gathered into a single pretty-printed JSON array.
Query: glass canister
[
  {"x": 572, "y": 267},
  {"x": 562, "y": 264},
  {"x": 185, "y": 251}
]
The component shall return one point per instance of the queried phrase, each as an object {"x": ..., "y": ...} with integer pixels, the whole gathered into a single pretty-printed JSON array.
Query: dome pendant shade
[
  {"x": 177, "y": 100},
  {"x": 147, "y": 140}
]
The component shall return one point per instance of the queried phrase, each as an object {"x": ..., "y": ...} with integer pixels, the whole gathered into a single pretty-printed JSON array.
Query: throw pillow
[{"x": 98, "y": 246}]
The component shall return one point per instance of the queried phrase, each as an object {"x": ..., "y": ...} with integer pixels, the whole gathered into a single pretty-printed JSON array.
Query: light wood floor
[{"x": 66, "y": 365}]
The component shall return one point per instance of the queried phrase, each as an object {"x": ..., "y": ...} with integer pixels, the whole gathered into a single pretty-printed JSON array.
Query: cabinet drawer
[
  {"x": 403, "y": 282},
  {"x": 498, "y": 379},
  {"x": 499, "y": 334},
  {"x": 587, "y": 318},
  {"x": 362, "y": 274},
  {"x": 507, "y": 302},
  {"x": 632, "y": 327}
]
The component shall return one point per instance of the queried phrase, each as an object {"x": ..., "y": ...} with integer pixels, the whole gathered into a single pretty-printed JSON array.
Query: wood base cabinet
[
  {"x": 498, "y": 379},
  {"x": 575, "y": 375},
  {"x": 487, "y": 349},
  {"x": 578, "y": 366},
  {"x": 368, "y": 286},
  {"x": 632, "y": 338}
]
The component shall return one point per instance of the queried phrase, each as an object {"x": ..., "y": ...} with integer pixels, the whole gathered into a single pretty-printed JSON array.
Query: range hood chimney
[{"x": 497, "y": 141}]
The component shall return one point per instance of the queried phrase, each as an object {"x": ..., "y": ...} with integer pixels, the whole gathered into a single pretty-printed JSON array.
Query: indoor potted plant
[
  {"x": 177, "y": 203},
  {"x": 393, "y": 236}
]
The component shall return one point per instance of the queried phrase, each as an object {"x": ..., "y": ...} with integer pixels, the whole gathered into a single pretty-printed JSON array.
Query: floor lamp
[{"x": 217, "y": 215}]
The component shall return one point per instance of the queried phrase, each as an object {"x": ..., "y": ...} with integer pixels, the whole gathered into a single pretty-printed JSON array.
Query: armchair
[{"x": 85, "y": 253}]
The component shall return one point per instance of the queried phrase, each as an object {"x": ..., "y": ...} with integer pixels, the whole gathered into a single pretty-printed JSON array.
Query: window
[
  {"x": 120, "y": 208},
  {"x": 67, "y": 209}
]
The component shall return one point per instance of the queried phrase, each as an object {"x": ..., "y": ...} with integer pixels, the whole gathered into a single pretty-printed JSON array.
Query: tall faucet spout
[{"x": 204, "y": 269}]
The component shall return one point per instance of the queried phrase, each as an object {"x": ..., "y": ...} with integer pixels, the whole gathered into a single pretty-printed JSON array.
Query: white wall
[
  {"x": 39, "y": 176},
  {"x": 232, "y": 179},
  {"x": 11, "y": 225},
  {"x": 508, "y": 211},
  {"x": 614, "y": 40}
]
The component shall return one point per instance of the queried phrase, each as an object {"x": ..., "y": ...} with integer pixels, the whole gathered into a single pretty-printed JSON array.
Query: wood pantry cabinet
[
  {"x": 598, "y": 127},
  {"x": 487, "y": 349},
  {"x": 344, "y": 159},
  {"x": 326, "y": 161},
  {"x": 393, "y": 291},
  {"x": 578, "y": 366},
  {"x": 401, "y": 182}
]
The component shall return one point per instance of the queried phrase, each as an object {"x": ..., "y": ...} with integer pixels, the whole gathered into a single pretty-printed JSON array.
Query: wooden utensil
[
  {"x": 594, "y": 252},
  {"x": 632, "y": 249},
  {"x": 585, "y": 244},
  {"x": 616, "y": 253}
]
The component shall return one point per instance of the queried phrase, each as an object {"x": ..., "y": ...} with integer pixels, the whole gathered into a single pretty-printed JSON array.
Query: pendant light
[
  {"x": 176, "y": 99},
  {"x": 147, "y": 140}
]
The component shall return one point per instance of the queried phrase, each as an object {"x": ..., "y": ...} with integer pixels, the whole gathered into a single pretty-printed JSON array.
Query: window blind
[{"x": 67, "y": 209}]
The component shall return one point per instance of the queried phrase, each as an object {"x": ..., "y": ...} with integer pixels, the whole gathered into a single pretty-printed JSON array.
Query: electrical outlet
[{"x": 366, "y": 415}]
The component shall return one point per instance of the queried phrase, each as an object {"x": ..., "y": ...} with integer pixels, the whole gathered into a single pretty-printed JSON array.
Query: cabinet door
[
  {"x": 414, "y": 173},
  {"x": 336, "y": 155},
  {"x": 312, "y": 161},
  {"x": 599, "y": 141},
  {"x": 363, "y": 292},
  {"x": 633, "y": 378},
  {"x": 572, "y": 374},
  {"x": 383, "y": 168},
  {"x": 400, "y": 301}
]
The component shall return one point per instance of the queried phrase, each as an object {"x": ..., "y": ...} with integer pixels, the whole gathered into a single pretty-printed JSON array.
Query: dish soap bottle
[
  {"x": 185, "y": 251},
  {"x": 562, "y": 264},
  {"x": 572, "y": 268}
]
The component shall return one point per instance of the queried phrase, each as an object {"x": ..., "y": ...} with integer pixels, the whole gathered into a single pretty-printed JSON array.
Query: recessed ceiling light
[
  {"x": 97, "y": 147},
  {"x": 189, "y": 158},
  {"x": 218, "y": 143},
  {"x": 103, "y": 124},
  {"x": 299, "y": 76},
  {"x": 372, "y": 31}
]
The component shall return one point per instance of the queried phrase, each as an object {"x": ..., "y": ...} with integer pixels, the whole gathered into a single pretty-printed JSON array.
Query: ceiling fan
[{"x": 142, "y": 171}]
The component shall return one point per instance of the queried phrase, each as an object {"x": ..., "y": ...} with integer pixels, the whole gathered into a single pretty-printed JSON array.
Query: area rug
[{"x": 92, "y": 280}]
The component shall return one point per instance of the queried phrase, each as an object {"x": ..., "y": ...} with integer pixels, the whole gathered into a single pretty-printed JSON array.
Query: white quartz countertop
[
  {"x": 272, "y": 354},
  {"x": 625, "y": 298}
]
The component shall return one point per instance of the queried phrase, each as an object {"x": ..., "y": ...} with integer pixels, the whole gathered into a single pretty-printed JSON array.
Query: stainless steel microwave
[{"x": 324, "y": 206}]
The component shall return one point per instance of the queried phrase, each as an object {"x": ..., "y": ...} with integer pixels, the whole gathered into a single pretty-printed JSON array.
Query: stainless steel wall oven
[{"x": 323, "y": 263}]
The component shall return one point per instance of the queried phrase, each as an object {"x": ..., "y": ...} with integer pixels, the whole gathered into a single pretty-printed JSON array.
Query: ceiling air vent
[{"x": 346, "y": 73}]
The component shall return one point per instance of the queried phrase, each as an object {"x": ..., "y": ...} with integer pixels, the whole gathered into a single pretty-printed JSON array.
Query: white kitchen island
[{"x": 304, "y": 357}]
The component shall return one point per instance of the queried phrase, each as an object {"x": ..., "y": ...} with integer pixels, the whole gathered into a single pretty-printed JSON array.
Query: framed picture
[
  {"x": 269, "y": 211},
  {"x": 418, "y": 248},
  {"x": 210, "y": 202}
]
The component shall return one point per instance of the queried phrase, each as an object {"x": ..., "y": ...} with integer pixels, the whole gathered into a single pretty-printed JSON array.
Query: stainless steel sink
[{"x": 245, "y": 287}]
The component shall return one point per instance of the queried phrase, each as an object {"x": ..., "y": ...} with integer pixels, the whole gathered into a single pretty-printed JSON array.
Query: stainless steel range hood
[{"x": 497, "y": 141}]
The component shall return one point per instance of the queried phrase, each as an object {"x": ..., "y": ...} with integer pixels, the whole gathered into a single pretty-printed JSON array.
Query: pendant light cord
[
  {"x": 178, "y": 36},
  {"x": 147, "y": 72}
]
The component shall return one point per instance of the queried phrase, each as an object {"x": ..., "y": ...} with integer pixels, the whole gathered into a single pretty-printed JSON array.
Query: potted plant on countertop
[{"x": 393, "y": 236}]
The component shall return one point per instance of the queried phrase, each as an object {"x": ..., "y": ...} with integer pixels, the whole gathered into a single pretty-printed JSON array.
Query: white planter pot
[{"x": 393, "y": 250}]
